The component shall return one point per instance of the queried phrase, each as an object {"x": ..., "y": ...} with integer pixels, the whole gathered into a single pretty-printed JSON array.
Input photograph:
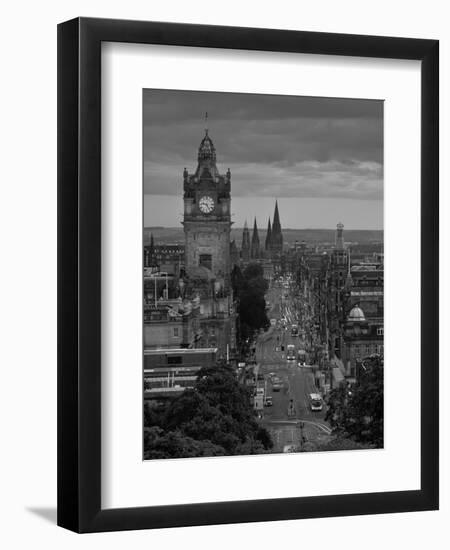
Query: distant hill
[{"x": 175, "y": 235}]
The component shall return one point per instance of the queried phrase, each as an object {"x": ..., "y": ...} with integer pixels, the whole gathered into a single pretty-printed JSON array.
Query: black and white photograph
[
  {"x": 263, "y": 274},
  {"x": 232, "y": 215}
]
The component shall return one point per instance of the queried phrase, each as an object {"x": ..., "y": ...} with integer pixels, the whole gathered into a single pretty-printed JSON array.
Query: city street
[{"x": 290, "y": 419}]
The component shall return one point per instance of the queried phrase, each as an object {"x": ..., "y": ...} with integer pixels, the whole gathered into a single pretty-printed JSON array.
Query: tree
[
  {"x": 175, "y": 444},
  {"x": 357, "y": 412},
  {"x": 214, "y": 417},
  {"x": 237, "y": 280},
  {"x": 249, "y": 289},
  {"x": 253, "y": 271}
]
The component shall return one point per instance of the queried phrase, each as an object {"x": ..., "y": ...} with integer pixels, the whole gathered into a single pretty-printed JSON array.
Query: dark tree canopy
[
  {"x": 215, "y": 418},
  {"x": 253, "y": 271},
  {"x": 357, "y": 412},
  {"x": 249, "y": 289}
]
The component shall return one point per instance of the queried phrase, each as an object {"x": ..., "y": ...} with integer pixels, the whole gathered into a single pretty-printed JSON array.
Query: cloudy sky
[{"x": 322, "y": 158}]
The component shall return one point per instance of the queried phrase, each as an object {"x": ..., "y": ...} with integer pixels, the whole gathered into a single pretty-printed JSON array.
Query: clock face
[{"x": 206, "y": 204}]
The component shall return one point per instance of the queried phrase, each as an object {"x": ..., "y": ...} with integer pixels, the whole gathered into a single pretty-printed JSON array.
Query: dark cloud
[{"x": 274, "y": 145}]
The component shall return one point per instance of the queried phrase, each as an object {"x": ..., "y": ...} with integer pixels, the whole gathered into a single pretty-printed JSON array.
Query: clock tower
[
  {"x": 207, "y": 217},
  {"x": 207, "y": 225}
]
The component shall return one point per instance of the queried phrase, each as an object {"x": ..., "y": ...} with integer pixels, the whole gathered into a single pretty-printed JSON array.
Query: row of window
[{"x": 360, "y": 350}]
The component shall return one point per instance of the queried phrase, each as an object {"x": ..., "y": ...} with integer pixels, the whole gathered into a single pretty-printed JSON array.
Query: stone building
[
  {"x": 171, "y": 324},
  {"x": 207, "y": 216},
  {"x": 166, "y": 257},
  {"x": 362, "y": 337},
  {"x": 366, "y": 287},
  {"x": 207, "y": 226}
]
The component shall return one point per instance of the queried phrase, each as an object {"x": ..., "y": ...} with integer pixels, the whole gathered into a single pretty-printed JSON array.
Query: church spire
[
  {"x": 276, "y": 244},
  {"x": 276, "y": 219},
  {"x": 255, "y": 248},
  {"x": 268, "y": 236}
]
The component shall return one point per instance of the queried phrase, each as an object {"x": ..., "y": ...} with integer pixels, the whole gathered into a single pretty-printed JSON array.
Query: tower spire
[
  {"x": 255, "y": 246},
  {"x": 268, "y": 236},
  {"x": 276, "y": 217},
  {"x": 207, "y": 153},
  {"x": 276, "y": 240}
]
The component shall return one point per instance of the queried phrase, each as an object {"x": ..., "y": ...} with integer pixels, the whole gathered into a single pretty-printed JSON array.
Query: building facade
[{"x": 207, "y": 226}]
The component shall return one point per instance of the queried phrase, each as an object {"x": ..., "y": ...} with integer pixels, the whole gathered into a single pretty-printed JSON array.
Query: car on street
[
  {"x": 276, "y": 384},
  {"x": 268, "y": 401},
  {"x": 315, "y": 402}
]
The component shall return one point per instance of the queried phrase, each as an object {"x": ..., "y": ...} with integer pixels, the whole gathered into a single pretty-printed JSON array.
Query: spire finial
[{"x": 206, "y": 122}]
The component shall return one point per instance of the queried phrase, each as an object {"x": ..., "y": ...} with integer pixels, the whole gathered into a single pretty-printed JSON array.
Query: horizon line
[{"x": 283, "y": 229}]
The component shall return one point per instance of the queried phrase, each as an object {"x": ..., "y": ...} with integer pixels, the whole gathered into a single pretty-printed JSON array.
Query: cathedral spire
[
  {"x": 268, "y": 236},
  {"x": 276, "y": 244},
  {"x": 255, "y": 248},
  {"x": 276, "y": 218}
]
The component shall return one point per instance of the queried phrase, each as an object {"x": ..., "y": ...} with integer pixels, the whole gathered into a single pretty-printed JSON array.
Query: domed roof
[
  {"x": 206, "y": 149},
  {"x": 356, "y": 315}
]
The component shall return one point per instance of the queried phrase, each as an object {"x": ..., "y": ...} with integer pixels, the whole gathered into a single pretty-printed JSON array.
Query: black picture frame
[{"x": 79, "y": 274}]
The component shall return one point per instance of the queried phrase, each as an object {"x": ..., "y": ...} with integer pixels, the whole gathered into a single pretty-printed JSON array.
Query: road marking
[{"x": 323, "y": 427}]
